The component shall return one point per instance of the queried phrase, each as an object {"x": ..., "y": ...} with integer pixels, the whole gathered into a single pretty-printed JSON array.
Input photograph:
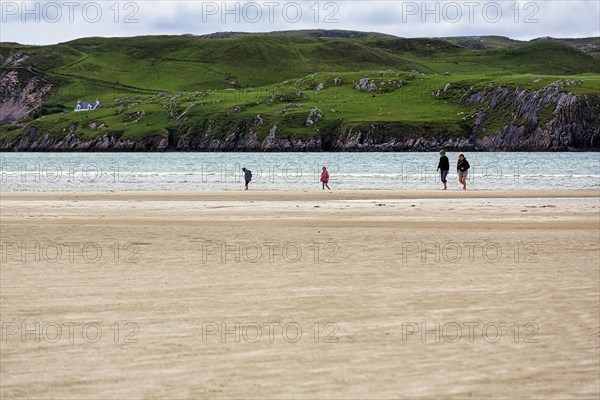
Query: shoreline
[{"x": 294, "y": 195}]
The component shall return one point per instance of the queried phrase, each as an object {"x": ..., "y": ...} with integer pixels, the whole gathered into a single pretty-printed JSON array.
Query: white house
[{"x": 85, "y": 106}]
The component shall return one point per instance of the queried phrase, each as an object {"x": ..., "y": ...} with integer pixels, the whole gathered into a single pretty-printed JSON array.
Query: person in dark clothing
[
  {"x": 247, "y": 176},
  {"x": 462, "y": 167},
  {"x": 443, "y": 167}
]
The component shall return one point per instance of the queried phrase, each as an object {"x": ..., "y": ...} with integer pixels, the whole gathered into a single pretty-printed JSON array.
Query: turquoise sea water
[{"x": 293, "y": 171}]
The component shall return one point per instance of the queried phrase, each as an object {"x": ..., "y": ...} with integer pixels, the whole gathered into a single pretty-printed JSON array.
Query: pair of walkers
[
  {"x": 324, "y": 177},
  {"x": 462, "y": 168}
]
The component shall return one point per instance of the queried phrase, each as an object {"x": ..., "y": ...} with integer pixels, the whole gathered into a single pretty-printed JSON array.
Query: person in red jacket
[{"x": 325, "y": 178}]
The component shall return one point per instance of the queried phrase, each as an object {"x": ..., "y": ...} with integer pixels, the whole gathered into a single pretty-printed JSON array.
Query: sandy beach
[{"x": 283, "y": 294}]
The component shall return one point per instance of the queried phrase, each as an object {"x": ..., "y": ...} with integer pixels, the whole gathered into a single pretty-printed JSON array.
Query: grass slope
[{"x": 184, "y": 84}]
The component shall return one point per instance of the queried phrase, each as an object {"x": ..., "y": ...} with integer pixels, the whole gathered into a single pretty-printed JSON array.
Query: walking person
[
  {"x": 443, "y": 167},
  {"x": 462, "y": 167},
  {"x": 325, "y": 178},
  {"x": 247, "y": 176}
]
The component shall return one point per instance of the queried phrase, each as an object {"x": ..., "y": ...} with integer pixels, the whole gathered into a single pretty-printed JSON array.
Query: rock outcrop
[
  {"x": 545, "y": 119},
  {"x": 21, "y": 91}
]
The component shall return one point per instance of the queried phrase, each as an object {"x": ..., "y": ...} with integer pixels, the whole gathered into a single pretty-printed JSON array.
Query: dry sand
[{"x": 505, "y": 283}]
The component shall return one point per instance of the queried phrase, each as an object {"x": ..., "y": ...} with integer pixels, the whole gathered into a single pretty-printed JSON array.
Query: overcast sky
[{"x": 47, "y": 22}]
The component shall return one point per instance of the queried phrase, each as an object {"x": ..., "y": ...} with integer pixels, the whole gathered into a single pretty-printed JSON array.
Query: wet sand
[{"x": 264, "y": 294}]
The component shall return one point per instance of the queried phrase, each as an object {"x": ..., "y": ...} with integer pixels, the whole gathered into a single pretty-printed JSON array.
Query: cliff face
[
  {"x": 544, "y": 119},
  {"x": 21, "y": 89},
  {"x": 503, "y": 120}
]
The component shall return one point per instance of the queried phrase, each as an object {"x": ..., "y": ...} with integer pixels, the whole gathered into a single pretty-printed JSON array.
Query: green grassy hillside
[
  {"x": 589, "y": 45},
  {"x": 149, "y": 85}
]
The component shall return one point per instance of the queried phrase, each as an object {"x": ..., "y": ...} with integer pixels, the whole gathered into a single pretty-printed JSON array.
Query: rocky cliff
[
  {"x": 545, "y": 119},
  {"x": 21, "y": 90}
]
